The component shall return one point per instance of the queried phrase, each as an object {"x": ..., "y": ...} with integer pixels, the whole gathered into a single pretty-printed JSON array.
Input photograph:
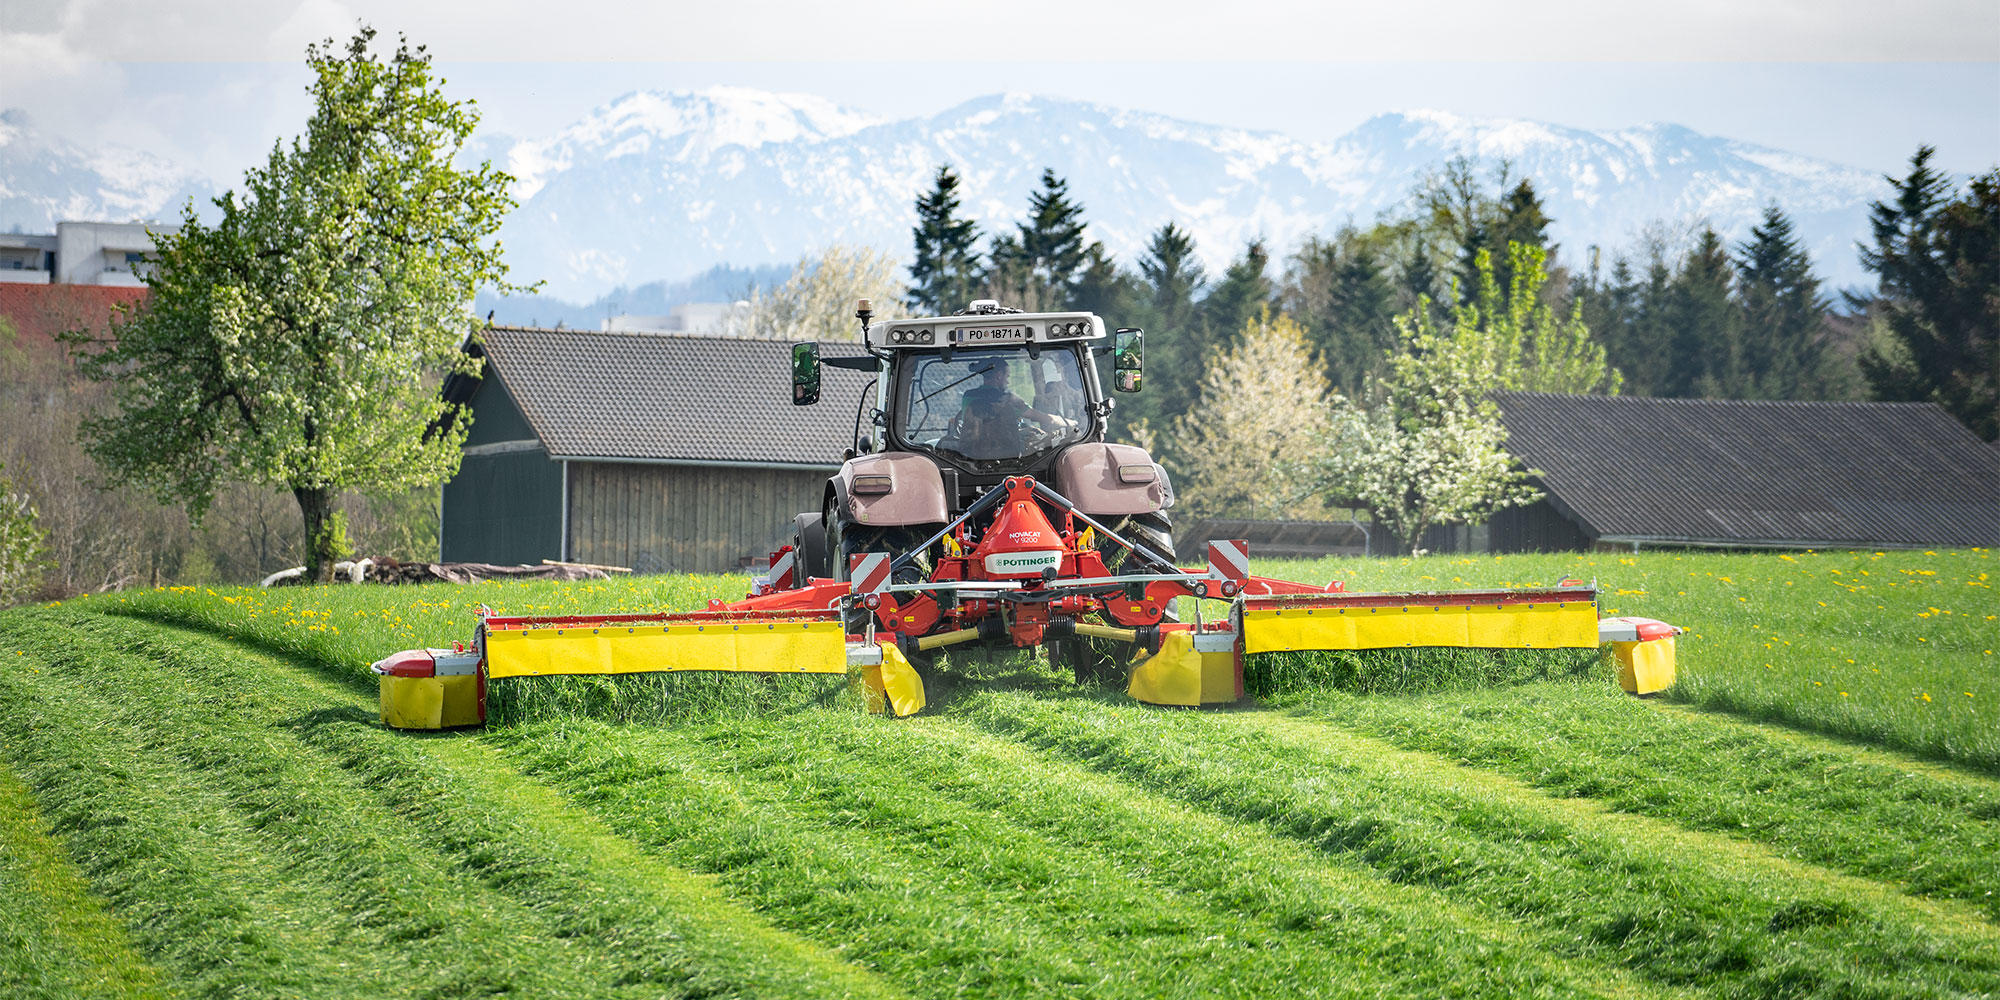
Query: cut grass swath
[
  {"x": 950, "y": 806},
  {"x": 1929, "y": 829},
  {"x": 547, "y": 881},
  {"x": 57, "y": 942},
  {"x": 1672, "y": 911}
]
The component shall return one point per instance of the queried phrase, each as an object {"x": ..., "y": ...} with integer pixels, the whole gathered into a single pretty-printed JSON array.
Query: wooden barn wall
[
  {"x": 1537, "y": 527},
  {"x": 504, "y": 509},
  {"x": 683, "y": 518}
]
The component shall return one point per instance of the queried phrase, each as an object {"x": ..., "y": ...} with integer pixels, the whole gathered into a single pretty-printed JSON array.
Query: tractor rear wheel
[{"x": 847, "y": 539}]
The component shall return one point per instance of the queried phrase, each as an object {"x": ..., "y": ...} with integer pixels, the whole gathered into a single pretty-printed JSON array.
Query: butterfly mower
[{"x": 981, "y": 507}]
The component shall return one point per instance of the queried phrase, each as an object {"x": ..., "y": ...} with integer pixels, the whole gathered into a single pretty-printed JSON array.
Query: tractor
[
  {"x": 960, "y": 405},
  {"x": 980, "y": 507}
]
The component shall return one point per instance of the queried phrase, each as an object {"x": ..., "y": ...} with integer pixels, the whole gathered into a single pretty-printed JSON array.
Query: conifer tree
[
  {"x": 1706, "y": 352},
  {"x": 1241, "y": 295},
  {"x": 1518, "y": 218},
  {"x": 1784, "y": 316},
  {"x": 1937, "y": 258},
  {"x": 945, "y": 273},
  {"x": 1052, "y": 244},
  {"x": 1171, "y": 279},
  {"x": 1338, "y": 290}
]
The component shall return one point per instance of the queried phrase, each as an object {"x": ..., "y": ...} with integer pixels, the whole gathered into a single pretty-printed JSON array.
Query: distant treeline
[{"x": 1680, "y": 314}]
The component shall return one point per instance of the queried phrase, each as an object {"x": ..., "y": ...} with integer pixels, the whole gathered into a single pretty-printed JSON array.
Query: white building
[{"x": 82, "y": 253}]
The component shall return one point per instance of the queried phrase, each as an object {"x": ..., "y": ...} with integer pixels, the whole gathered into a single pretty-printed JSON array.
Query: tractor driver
[{"x": 992, "y": 419}]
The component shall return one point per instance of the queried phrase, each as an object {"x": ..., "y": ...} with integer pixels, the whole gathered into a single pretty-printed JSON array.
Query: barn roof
[
  {"x": 1732, "y": 472},
  {"x": 672, "y": 397}
]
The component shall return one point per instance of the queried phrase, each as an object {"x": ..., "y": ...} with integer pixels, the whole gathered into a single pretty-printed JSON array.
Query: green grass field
[{"x": 196, "y": 800}]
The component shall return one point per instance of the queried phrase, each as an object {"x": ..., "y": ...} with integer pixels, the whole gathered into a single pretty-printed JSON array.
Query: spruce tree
[
  {"x": 1240, "y": 297},
  {"x": 1172, "y": 280},
  {"x": 1704, "y": 326},
  {"x": 1518, "y": 218},
  {"x": 1937, "y": 258},
  {"x": 1338, "y": 290},
  {"x": 945, "y": 273},
  {"x": 1784, "y": 316},
  {"x": 1052, "y": 241}
]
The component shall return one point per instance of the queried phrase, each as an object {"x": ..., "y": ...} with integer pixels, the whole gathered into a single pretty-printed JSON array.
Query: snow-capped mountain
[
  {"x": 661, "y": 185},
  {"x": 44, "y": 180},
  {"x": 666, "y": 184}
]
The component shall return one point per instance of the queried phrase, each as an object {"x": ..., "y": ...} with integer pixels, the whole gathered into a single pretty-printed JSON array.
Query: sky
[{"x": 210, "y": 84}]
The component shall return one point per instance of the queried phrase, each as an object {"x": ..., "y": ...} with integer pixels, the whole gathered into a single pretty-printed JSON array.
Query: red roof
[{"x": 39, "y": 311}]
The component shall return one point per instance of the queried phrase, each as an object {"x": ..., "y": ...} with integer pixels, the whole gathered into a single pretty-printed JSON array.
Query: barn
[
  {"x": 658, "y": 452},
  {"x": 1626, "y": 472}
]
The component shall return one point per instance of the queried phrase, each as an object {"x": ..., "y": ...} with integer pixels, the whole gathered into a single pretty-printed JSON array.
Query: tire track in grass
[
  {"x": 671, "y": 932},
  {"x": 1926, "y": 828},
  {"x": 1330, "y": 919},
  {"x": 1676, "y": 907},
  {"x": 57, "y": 942}
]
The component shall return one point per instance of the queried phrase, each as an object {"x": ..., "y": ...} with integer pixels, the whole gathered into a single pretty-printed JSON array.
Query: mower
[{"x": 982, "y": 507}]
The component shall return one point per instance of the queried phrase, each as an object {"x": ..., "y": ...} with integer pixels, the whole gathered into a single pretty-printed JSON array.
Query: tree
[
  {"x": 1428, "y": 448},
  {"x": 1518, "y": 219},
  {"x": 1263, "y": 410},
  {"x": 945, "y": 274},
  {"x": 1340, "y": 293},
  {"x": 298, "y": 341},
  {"x": 1512, "y": 338},
  {"x": 1706, "y": 353},
  {"x": 1243, "y": 294},
  {"x": 22, "y": 552},
  {"x": 1171, "y": 278},
  {"x": 1784, "y": 316},
  {"x": 1937, "y": 260},
  {"x": 1041, "y": 265},
  {"x": 817, "y": 301}
]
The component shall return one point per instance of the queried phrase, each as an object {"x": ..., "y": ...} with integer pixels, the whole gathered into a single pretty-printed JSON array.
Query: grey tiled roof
[
  {"x": 672, "y": 397},
  {"x": 1728, "y": 471}
]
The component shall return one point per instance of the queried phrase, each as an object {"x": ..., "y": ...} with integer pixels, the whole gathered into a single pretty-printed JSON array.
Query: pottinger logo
[{"x": 1016, "y": 563}]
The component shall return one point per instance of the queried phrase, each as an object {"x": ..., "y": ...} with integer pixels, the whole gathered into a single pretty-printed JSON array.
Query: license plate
[{"x": 990, "y": 334}]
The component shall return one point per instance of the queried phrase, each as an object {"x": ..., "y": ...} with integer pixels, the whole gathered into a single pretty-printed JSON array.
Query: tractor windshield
[{"x": 997, "y": 405}]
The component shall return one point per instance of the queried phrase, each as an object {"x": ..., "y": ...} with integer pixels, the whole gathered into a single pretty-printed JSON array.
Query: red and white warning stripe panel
[
  {"x": 1229, "y": 560},
  {"x": 869, "y": 571},
  {"x": 781, "y": 571}
]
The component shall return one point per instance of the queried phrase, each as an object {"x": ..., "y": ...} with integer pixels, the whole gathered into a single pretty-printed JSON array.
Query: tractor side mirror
[
  {"x": 1128, "y": 358},
  {"x": 805, "y": 374}
]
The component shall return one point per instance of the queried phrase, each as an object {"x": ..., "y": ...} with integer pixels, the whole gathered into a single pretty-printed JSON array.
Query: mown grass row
[
  {"x": 56, "y": 940},
  {"x": 1934, "y": 831},
  {"x": 965, "y": 866},
  {"x": 1678, "y": 908},
  {"x": 263, "y": 836},
  {"x": 1898, "y": 648}
]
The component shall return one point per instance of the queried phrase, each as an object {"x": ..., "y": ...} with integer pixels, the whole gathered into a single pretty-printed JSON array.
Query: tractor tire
[
  {"x": 847, "y": 539},
  {"x": 809, "y": 551}
]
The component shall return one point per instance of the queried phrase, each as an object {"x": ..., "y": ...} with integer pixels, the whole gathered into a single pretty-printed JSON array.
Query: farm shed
[
  {"x": 1627, "y": 471},
  {"x": 661, "y": 452}
]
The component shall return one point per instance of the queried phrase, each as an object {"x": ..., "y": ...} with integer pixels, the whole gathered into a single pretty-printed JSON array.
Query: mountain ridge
[{"x": 661, "y": 185}]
